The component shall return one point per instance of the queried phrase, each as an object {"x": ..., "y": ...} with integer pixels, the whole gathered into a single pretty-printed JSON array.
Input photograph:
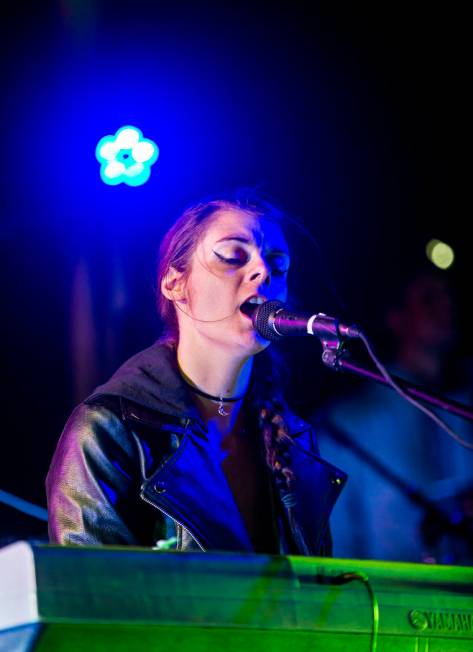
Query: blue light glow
[{"x": 126, "y": 157}]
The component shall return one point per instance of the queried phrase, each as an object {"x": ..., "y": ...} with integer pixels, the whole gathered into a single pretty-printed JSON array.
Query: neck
[{"x": 216, "y": 372}]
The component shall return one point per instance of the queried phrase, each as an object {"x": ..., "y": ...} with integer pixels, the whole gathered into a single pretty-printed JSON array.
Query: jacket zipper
[{"x": 147, "y": 500}]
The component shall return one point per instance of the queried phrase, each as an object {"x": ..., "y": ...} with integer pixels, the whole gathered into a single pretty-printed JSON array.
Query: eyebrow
[{"x": 237, "y": 238}]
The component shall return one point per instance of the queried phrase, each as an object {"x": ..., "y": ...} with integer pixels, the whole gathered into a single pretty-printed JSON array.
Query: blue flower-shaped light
[{"x": 126, "y": 157}]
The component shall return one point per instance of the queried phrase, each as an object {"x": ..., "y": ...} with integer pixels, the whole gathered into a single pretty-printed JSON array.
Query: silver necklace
[{"x": 217, "y": 399}]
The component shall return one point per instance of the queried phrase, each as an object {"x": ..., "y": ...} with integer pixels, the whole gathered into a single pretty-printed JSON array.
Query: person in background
[{"x": 391, "y": 450}]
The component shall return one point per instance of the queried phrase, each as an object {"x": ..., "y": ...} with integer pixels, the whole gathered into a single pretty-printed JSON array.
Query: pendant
[{"x": 221, "y": 409}]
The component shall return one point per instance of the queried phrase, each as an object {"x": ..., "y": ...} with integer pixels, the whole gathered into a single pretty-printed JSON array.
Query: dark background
[{"x": 354, "y": 116}]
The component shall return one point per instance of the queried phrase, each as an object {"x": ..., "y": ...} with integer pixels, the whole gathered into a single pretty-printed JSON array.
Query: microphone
[{"x": 272, "y": 321}]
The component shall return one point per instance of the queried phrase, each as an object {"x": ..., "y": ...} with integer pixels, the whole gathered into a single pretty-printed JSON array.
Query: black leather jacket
[{"x": 133, "y": 466}]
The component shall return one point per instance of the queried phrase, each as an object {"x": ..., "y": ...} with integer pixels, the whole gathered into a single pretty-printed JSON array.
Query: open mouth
[{"x": 249, "y": 306}]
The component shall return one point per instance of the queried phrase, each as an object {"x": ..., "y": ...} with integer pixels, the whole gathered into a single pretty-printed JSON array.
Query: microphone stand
[{"x": 332, "y": 356}]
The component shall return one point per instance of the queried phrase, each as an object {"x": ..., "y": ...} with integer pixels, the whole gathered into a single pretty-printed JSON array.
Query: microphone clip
[
  {"x": 332, "y": 336},
  {"x": 331, "y": 339}
]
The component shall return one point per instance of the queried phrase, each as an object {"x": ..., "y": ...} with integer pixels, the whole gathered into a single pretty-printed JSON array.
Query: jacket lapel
[
  {"x": 191, "y": 487},
  {"x": 317, "y": 486}
]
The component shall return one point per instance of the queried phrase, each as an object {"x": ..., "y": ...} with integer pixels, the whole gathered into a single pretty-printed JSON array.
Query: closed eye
[
  {"x": 236, "y": 260},
  {"x": 278, "y": 262}
]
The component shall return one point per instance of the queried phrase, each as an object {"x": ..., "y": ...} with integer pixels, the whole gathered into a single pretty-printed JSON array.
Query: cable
[
  {"x": 23, "y": 506},
  {"x": 359, "y": 576},
  {"x": 430, "y": 413}
]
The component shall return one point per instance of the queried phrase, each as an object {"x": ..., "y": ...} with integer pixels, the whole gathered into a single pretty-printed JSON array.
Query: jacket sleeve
[{"x": 94, "y": 482}]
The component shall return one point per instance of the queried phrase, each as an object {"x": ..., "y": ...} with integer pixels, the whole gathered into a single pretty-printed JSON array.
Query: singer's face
[{"x": 240, "y": 256}]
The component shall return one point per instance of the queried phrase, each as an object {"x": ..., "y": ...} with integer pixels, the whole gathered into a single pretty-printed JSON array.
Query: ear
[{"x": 173, "y": 285}]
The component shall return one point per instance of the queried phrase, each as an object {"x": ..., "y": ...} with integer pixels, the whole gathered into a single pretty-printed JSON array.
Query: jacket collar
[{"x": 151, "y": 380}]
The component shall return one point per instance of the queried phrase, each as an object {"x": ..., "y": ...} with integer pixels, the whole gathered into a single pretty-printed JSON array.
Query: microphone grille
[{"x": 261, "y": 317}]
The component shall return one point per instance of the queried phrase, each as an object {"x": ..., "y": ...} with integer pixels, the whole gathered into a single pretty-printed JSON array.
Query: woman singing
[{"x": 190, "y": 444}]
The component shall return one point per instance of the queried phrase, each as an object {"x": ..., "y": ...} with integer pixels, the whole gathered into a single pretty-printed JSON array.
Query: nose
[{"x": 260, "y": 272}]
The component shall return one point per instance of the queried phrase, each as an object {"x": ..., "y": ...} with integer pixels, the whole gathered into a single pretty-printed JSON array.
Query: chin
[
  {"x": 242, "y": 340},
  {"x": 255, "y": 343}
]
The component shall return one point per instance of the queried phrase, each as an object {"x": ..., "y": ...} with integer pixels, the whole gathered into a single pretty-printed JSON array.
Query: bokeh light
[{"x": 440, "y": 253}]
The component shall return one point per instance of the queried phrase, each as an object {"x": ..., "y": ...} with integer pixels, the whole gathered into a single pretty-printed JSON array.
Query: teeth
[{"x": 249, "y": 306}]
